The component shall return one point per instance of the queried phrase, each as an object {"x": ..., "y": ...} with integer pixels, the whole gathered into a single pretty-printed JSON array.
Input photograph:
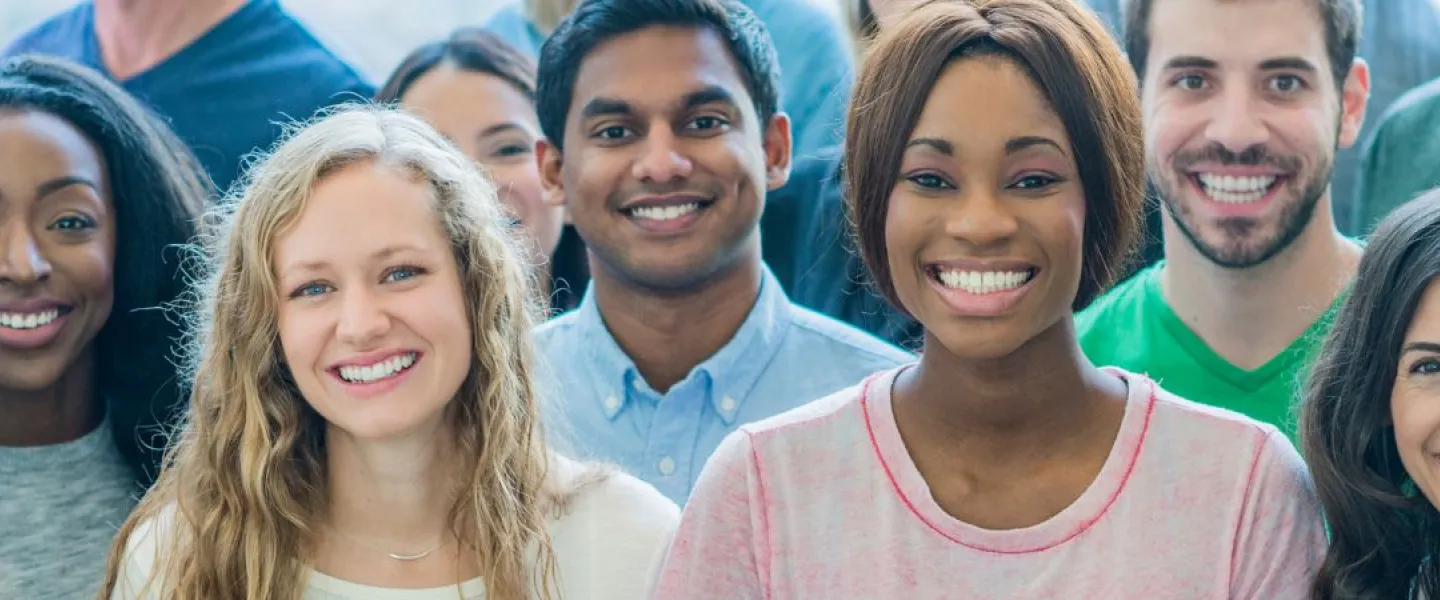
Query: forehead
[
  {"x": 1236, "y": 32},
  {"x": 36, "y": 144},
  {"x": 1012, "y": 106},
  {"x": 359, "y": 209},
  {"x": 653, "y": 68}
]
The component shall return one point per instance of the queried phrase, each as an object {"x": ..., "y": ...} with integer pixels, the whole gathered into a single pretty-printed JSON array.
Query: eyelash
[
  {"x": 414, "y": 271},
  {"x": 920, "y": 179},
  {"x": 1422, "y": 363},
  {"x": 84, "y": 222}
]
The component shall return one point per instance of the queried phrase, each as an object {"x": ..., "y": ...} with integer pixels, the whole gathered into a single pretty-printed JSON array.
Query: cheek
[
  {"x": 441, "y": 317},
  {"x": 302, "y": 337},
  {"x": 1415, "y": 410}
]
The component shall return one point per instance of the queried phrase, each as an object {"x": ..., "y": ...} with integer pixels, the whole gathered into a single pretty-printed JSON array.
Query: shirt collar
[{"x": 733, "y": 371}]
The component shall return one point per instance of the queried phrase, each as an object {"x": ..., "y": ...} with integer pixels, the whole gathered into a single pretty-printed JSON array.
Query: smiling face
[
  {"x": 57, "y": 248},
  {"x": 666, "y": 163},
  {"x": 494, "y": 123},
  {"x": 986, "y": 221},
  {"x": 1242, "y": 120},
  {"x": 1415, "y": 399},
  {"x": 372, "y": 319}
]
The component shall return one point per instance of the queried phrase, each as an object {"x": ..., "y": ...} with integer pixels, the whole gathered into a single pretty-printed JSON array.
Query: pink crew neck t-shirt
[{"x": 824, "y": 503}]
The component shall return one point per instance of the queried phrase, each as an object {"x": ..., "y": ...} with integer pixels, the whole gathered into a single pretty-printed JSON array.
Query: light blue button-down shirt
[{"x": 782, "y": 356}]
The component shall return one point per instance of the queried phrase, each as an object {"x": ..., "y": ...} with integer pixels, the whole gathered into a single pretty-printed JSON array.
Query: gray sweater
[{"x": 60, "y": 508}]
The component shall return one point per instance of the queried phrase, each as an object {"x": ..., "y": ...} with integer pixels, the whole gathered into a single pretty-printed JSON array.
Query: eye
[
  {"x": 403, "y": 273},
  {"x": 1190, "y": 82},
  {"x": 1286, "y": 83},
  {"x": 1035, "y": 182},
  {"x": 613, "y": 133},
  {"x": 311, "y": 289},
  {"x": 511, "y": 150},
  {"x": 71, "y": 223},
  {"x": 708, "y": 123},
  {"x": 1425, "y": 366},
  {"x": 929, "y": 181}
]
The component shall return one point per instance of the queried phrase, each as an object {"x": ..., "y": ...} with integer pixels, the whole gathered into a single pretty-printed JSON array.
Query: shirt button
[
  {"x": 728, "y": 404},
  {"x": 667, "y": 466},
  {"x": 612, "y": 403}
]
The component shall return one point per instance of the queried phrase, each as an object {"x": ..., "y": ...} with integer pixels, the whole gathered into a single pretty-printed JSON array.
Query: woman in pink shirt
[{"x": 994, "y": 174}]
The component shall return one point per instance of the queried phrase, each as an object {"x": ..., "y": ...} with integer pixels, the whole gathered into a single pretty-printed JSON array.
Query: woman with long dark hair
[
  {"x": 94, "y": 195},
  {"x": 1370, "y": 418}
]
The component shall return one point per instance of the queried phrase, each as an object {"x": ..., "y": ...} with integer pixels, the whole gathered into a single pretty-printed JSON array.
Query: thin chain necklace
[{"x": 401, "y": 557}]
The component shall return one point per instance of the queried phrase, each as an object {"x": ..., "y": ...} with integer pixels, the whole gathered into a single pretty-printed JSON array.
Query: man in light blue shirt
[{"x": 662, "y": 137}]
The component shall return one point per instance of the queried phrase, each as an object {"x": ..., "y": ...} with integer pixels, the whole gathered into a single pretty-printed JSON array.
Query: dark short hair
[
  {"x": 1069, "y": 55},
  {"x": 1341, "y": 18},
  {"x": 596, "y": 21},
  {"x": 1384, "y": 534},
  {"x": 158, "y": 190},
  {"x": 468, "y": 49}
]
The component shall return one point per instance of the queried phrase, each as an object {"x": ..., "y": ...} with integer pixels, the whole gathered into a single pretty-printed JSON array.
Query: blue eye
[
  {"x": 1428, "y": 366},
  {"x": 72, "y": 222},
  {"x": 310, "y": 290},
  {"x": 403, "y": 273}
]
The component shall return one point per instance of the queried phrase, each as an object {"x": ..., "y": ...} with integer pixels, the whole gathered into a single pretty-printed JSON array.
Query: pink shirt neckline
[{"x": 1088, "y": 509}]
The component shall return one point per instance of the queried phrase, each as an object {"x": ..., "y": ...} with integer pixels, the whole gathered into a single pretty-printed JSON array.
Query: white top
[
  {"x": 1193, "y": 503},
  {"x": 608, "y": 546}
]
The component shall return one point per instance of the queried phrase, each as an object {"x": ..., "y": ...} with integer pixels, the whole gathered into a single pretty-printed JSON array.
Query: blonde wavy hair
[{"x": 244, "y": 481}]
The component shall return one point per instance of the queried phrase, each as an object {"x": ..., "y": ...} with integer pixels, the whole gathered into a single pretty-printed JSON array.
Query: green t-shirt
[{"x": 1132, "y": 327}]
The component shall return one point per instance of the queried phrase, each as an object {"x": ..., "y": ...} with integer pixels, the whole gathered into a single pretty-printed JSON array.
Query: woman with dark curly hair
[{"x": 94, "y": 192}]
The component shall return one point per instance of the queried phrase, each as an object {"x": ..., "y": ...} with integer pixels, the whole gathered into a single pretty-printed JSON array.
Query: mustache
[{"x": 1250, "y": 157}]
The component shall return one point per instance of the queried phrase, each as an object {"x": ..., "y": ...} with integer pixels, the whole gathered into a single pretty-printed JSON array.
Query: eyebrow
[
  {"x": 1012, "y": 146},
  {"x": 713, "y": 94},
  {"x": 1420, "y": 347},
  {"x": 602, "y": 106},
  {"x": 60, "y": 183},
  {"x": 1289, "y": 63},
  {"x": 936, "y": 144},
  {"x": 499, "y": 129},
  {"x": 377, "y": 256},
  {"x": 1190, "y": 62},
  {"x": 599, "y": 107}
]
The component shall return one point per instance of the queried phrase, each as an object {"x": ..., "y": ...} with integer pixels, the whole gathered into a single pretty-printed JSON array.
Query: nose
[
  {"x": 363, "y": 319},
  {"x": 982, "y": 219},
  {"x": 662, "y": 159},
  {"x": 1236, "y": 121},
  {"x": 21, "y": 261}
]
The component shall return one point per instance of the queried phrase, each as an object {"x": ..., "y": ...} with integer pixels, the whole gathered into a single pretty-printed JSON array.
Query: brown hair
[
  {"x": 1342, "y": 19},
  {"x": 467, "y": 49},
  {"x": 1068, "y": 53}
]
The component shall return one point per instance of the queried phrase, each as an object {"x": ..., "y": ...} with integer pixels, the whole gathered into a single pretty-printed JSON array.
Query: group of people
[{"x": 582, "y": 319}]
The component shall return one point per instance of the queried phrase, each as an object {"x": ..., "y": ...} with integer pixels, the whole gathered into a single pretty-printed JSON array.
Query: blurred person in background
[
  {"x": 1404, "y": 159},
  {"x": 479, "y": 92},
  {"x": 95, "y": 194},
  {"x": 226, "y": 74}
]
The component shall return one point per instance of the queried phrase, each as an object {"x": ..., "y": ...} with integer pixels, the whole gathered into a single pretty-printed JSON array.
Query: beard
[{"x": 1243, "y": 241}]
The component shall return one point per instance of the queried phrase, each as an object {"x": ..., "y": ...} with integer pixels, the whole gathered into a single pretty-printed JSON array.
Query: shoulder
[
  {"x": 1416, "y": 108},
  {"x": 144, "y": 556},
  {"x": 612, "y": 531},
  {"x": 1225, "y": 436},
  {"x": 836, "y": 339},
  {"x": 558, "y": 326},
  {"x": 59, "y": 35},
  {"x": 819, "y": 419}
]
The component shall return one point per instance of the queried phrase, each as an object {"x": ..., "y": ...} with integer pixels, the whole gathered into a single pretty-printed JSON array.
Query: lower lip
[
  {"x": 994, "y": 304},
  {"x": 376, "y": 388},
  {"x": 1245, "y": 209},
  {"x": 30, "y": 339},
  {"x": 670, "y": 226}
]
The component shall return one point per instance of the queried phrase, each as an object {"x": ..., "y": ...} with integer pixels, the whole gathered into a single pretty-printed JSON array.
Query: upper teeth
[
  {"x": 984, "y": 282},
  {"x": 379, "y": 370},
  {"x": 665, "y": 213},
  {"x": 1236, "y": 190},
  {"x": 28, "y": 320}
]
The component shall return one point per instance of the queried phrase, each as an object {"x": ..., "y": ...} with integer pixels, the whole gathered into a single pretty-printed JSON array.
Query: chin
[
  {"x": 974, "y": 343},
  {"x": 379, "y": 427}
]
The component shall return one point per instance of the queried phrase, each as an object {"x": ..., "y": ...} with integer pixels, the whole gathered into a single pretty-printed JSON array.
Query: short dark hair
[
  {"x": 1069, "y": 55},
  {"x": 1341, "y": 18},
  {"x": 596, "y": 21},
  {"x": 158, "y": 190},
  {"x": 468, "y": 49},
  {"x": 1384, "y": 534}
]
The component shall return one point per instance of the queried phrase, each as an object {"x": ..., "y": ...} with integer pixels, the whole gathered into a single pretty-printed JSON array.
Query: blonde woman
[{"x": 364, "y": 423}]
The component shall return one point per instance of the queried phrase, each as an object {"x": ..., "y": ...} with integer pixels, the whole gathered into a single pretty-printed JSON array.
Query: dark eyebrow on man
[
  {"x": 1030, "y": 141},
  {"x": 60, "y": 183},
  {"x": 1190, "y": 62},
  {"x": 936, "y": 144},
  {"x": 1289, "y": 63},
  {"x": 709, "y": 95},
  {"x": 599, "y": 107}
]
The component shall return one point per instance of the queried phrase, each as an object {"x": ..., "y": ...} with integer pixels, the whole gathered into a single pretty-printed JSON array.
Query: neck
[
  {"x": 63, "y": 412},
  {"x": 135, "y": 35},
  {"x": 669, "y": 334},
  {"x": 997, "y": 412},
  {"x": 393, "y": 495},
  {"x": 1250, "y": 315}
]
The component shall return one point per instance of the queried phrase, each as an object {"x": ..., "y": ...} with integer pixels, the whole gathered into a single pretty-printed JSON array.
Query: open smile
[
  {"x": 980, "y": 290},
  {"x": 667, "y": 214}
]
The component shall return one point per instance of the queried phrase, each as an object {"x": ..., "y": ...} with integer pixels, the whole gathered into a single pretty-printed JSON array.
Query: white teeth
[
  {"x": 1236, "y": 190},
  {"x": 28, "y": 320},
  {"x": 984, "y": 282},
  {"x": 665, "y": 213},
  {"x": 378, "y": 371}
]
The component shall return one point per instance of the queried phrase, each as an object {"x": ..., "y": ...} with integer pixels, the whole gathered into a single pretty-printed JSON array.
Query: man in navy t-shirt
[{"x": 226, "y": 74}]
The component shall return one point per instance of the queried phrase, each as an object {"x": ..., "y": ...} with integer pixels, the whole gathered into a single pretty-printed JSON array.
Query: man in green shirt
[{"x": 1245, "y": 104}]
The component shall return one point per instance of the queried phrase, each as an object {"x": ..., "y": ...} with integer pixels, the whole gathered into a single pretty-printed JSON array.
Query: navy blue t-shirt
[{"x": 228, "y": 93}]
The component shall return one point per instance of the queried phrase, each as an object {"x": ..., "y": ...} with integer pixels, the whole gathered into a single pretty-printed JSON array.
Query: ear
[
  {"x": 1354, "y": 97},
  {"x": 777, "y": 151},
  {"x": 550, "y": 160}
]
